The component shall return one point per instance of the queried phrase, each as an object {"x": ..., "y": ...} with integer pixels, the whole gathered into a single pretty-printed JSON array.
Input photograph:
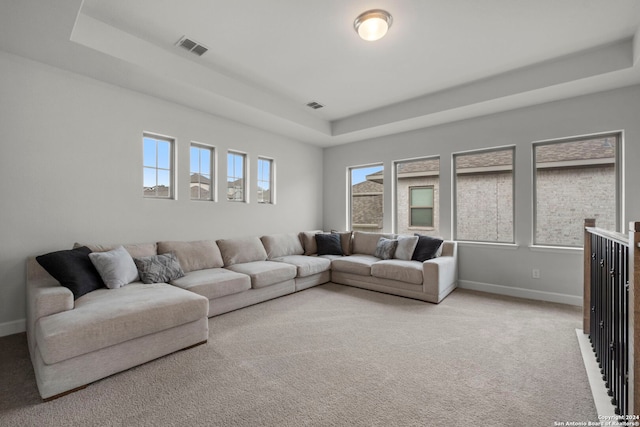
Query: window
[
  {"x": 421, "y": 207},
  {"x": 157, "y": 166},
  {"x": 201, "y": 171},
  {"x": 236, "y": 183},
  {"x": 484, "y": 195},
  {"x": 265, "y": 180},
  {"x": 575, "y": 179},
  {"x": 416, "y": 197},
  {"x": 367, "y": 191}
]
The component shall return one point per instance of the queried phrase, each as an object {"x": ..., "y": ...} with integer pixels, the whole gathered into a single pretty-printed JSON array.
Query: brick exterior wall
[
  {"x": 562, "y": 208},
  {"x": 485, "y": 207},
  {"x": 367, "y": 206}
]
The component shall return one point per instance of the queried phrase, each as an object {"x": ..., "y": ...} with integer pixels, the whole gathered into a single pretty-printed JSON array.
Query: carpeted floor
[{"x": 339, "y": 356}]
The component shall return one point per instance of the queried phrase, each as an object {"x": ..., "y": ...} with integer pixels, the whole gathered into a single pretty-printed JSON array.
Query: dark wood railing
[{"x": 609, "y": 309}]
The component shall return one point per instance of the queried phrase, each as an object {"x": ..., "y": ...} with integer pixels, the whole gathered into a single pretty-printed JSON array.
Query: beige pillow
[
  {"x": 192, "y": 256},
  {"x": 241, "y": 250}
]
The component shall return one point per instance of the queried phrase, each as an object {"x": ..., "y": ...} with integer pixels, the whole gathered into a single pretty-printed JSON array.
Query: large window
[
  {"x": 236, "y": 171},
  {"x": 366, "y": 198},
  {"x": 201, "y": 170},
  {"x": 416, "y": 203},
  {"x": 575, "y": 179},
  {"x": 265, "y": 180},
  {"x": 157, "y": 166},
  {"x": 484, "y": 195}
]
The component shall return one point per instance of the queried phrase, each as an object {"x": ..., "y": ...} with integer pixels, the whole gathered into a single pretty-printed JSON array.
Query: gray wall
[
  {"x": 502, "y": 269},
  {"x": 71, "y": 171}
]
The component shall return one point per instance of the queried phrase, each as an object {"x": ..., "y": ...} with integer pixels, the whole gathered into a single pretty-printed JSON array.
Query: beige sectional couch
[{"x": 75, "y": 342}]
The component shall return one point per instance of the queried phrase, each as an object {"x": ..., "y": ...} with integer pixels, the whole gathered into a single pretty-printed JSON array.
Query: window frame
[
  {"x": 271, "y": 182},
  {"x": 618, "y": 174},
  {"x": 350, "y": 184},
  {"x": 244, "y": 177},
  {"x": 172, "y": 195},
  {"x": 213, "y": 193},
  {"x": 454, "y": 193}
]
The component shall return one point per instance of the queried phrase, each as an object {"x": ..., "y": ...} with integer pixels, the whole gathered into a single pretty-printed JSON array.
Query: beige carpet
[{"x": 339, "y": 356}]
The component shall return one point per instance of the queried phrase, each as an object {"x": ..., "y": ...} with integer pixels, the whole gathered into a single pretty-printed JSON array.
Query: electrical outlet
[{"x": 535, "y": 273}]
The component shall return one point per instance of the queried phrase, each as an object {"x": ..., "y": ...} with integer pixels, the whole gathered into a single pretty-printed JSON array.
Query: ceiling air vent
[
  {"x": 315, "y": 105},
  {"x": 192, "y": 46}
]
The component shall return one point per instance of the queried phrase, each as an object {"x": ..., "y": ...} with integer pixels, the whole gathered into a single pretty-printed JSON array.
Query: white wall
[
  {"x": 491, "y": 267},
  {"x": 71, "y": 171}
]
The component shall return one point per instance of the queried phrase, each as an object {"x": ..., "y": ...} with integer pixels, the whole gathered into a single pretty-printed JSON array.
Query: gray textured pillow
[
  {"x": 116, "y": 267},
  {"x": 159, "y": 268},
  {"x": 386, "y": 248},
  {"x": 406, "y": 246}
]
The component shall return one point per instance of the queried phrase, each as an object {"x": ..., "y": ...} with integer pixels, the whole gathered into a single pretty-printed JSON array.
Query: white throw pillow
[
  {"x": 116, "y": 267},
  {"x": 406, "y": 246}
]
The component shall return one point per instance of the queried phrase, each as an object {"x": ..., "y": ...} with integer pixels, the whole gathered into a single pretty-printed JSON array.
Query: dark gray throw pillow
[
  {"x": 73, "y": 269},
  {"x": 427, "y": 248},
  {"x": 386, "y": 248},
  {"x": 328, "y": 244},
  {"x": 159, "y": 268}
]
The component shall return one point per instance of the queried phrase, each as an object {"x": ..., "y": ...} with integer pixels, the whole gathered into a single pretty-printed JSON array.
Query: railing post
[
  {"x": 634, "y": 318},
  {"x": 586, "y": 295}
]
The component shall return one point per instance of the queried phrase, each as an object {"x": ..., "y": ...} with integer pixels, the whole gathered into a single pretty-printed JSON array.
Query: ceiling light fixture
[{"x": 373, "y": 24}]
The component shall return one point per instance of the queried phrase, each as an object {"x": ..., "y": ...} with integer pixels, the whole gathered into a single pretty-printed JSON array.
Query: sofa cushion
[
  {"x": 73, "y": 269},
  {"x": 395, "y": 269},
  {"x": 278, "y": 245},
  {"x": 136, "y": 250},
  {"x": 308, "y": 239},
  {"x": 355, "y": 264},
  {"x": 306, "y": 265},
  {"x": 406, "y": 246},
  {"x": 366, "y": 243},
  {"x": 107, "y": 317},
  {"x": 265, "y": 273},
  {"x": 241, "y": 250},
  {"x": 345, "y": 241},
  {"x": 196, "y": 255},
  {"x": 427, "y": 248},
  {"x": 214, "y": 282},
  {"x": 116, "y": 267},
  {"x": 386, "y": 248},
  {"x": 158, "y": 268},
  {"x": 329, "y": 244}
]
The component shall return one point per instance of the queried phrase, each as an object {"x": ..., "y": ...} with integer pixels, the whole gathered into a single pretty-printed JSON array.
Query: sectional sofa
[{"x": 78, "y": 336}]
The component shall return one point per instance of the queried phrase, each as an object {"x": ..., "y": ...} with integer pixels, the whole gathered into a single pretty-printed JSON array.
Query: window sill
[
  {"x": 556, "y": 249},
  {"x": 506, "y": 246}
]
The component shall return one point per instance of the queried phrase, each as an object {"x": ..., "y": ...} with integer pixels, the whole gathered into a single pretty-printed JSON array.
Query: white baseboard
[
  {"x": 520, "y": 292},
  {"x": 15, "y": 327},
  {"x": 598, "y": 387}
]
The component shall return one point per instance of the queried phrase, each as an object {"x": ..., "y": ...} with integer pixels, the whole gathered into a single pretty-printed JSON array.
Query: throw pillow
[
  {"x": 328, "y": 244},
  {"x": 427, "y": 248},
  {"x": 406, "y": 246},
  {"x": 345, "y": 240},
  {"x": 159, "y": 268},
  {"x": 73, "y": 269},
  {"x": 116, "y": 267},
  {"x": 386, "y": 248}
]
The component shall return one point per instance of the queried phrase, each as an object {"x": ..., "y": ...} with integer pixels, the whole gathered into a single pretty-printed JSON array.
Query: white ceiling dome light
[{"x": 373, "y": 24}]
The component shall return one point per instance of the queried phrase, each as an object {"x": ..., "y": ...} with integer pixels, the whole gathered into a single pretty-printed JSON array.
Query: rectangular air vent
[
  {"x": 315, "y": 105},
  {"x": 192, "y": 46}
]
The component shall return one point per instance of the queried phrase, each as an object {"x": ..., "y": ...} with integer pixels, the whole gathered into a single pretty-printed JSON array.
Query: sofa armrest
[
  {"x": 438, "y": 274},
  {"x": 45, "y": 296}
]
